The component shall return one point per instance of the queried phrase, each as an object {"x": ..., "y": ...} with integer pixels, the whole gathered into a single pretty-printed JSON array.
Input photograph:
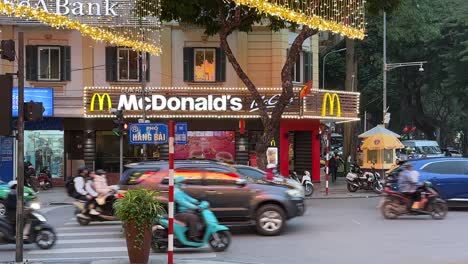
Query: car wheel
[
  {"x": 271, "y": 220},
  {"x": 2, "y": 209}
]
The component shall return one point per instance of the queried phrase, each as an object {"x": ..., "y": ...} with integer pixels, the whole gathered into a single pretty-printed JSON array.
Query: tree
[{"x": 222, "y": 18}]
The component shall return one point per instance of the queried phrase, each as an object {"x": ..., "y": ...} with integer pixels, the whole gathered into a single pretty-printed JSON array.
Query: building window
[
  {"x": 48, "y": 63},
  {"x": 128, "y": 65},
  {"x": 302, "y": 69},
  {"x": 44, "y": 149},
  {"x": 125, "y": 65},
  {"x": 204, "y": 63}
]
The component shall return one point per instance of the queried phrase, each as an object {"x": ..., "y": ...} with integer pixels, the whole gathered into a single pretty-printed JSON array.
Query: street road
[{"x": 332, "y": 231}]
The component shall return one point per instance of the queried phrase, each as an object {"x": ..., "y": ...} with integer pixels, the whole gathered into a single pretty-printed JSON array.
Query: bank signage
[
  {"x": 71, "y": 7},
  {"x": 148, "y": 133},
  {"x": 216, "y": 103}
]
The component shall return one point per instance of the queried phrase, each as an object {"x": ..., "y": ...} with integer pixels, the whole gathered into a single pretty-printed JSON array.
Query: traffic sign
[
  {"x": 148, "y": 133},
  {"x": 181, "y": 133}
]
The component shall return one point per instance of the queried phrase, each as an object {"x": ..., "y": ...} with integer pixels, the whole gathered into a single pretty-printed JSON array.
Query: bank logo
[
  {"x": 331, "y": 99},
  {"x": 101, "y": 100}
]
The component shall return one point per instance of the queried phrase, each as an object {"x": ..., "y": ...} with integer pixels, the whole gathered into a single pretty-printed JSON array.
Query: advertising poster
[
  {"x": 6, "y": 158},
  {"x": 43, "y": 95},
  {"x": 216, "y": 145}
]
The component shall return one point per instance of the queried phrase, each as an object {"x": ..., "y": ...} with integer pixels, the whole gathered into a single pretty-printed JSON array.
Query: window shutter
[
  {"x": 65, "y": 63},
  {"x": 111, "y": 64},
  {"x": 31, "y": 63},
  {"x": 188, "y": 65},
  {"x": 220, "y": 64},
  {"x": 307, "y": 66}
]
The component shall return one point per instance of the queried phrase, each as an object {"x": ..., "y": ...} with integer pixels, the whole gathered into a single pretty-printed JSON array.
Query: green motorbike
[{"x": 29, "y": 195}]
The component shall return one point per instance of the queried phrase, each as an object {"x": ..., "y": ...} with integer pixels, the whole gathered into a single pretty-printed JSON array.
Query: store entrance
[{"x": 300, "y": 151}]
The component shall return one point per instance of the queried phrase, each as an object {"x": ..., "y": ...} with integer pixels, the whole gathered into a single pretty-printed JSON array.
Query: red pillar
[
  {"x": 284, "y": 150},
  {"x": 315, "y": 153}
]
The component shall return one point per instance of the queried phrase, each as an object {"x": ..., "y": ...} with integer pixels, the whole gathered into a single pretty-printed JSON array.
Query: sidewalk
[
  {"x": 160, "y": 261},
  {"x": 55, "y": 196},
  {"x": 337, "y": 190}
]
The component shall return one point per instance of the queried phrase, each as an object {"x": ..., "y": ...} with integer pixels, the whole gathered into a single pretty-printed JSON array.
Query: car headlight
[
  {"x": 35, "y": 206},
  {"x": 296, "y": 193}
]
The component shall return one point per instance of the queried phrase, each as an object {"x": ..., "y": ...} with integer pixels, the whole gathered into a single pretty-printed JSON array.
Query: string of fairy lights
[
  {"x": 135, "y": 23},
  {"x": 346, "y": 17}
]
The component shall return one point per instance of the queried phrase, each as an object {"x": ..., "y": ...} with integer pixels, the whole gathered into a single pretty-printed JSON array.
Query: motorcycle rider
[
  {"x": 186, "y": 206},
  {"x": 29, "y": 172},
  {"x": 104, "y": 191},
  {"x": 80, "y": 192},
  {"x": 408, "y": 184},
  {"x": 10, "y": 205}
]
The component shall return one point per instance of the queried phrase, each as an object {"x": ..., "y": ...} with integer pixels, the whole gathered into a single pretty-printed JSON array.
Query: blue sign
[
  {"x": 181, "y": 133},
  {"x": 148, "y": 133},
  {"x": 43, "y": 95},
  {"x": 6, "y": 158}
]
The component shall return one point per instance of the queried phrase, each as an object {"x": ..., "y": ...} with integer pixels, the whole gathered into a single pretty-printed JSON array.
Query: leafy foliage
[{"x": 139, "y": 207}]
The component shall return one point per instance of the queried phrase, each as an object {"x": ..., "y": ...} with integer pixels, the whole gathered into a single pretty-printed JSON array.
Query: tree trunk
[{"x": 349, "y": 137}]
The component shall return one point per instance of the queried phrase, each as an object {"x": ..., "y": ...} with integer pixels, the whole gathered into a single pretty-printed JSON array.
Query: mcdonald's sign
[
  {"x": 329, "y": 99},
  {"x": 101, "y": 100}
]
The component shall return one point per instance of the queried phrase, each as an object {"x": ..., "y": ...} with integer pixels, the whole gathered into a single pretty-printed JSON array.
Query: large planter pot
[{"x": 138, "y": 251}]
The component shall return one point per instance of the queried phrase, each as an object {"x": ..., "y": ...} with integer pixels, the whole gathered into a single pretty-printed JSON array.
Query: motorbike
[
  {"x": 29, "y": 195},
  {"x": 306, "y": 181},
  {"x": 105, "y": 211},
  {"x": 45, "y": 179},
  {"x": 358, "y": 179},
  {"x": 395, "y": 204},
  {"x": 211, "y": 232},
  {"x": 41, "y": 233}
]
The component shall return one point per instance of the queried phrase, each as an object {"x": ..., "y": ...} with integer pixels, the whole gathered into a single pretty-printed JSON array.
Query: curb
[
  {"x": 342, "y": 197},
  {"x": 59, "y": 203}
]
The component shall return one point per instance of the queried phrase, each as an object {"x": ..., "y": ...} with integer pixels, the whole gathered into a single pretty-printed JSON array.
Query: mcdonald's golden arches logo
[
  {"x": 273, "y": 143},
  {"x": 101, "y": 100},
  {"x": 331, "y": 99}
]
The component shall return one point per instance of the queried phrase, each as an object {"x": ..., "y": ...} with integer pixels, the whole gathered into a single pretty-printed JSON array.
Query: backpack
[{"x": 70, "y": 186}]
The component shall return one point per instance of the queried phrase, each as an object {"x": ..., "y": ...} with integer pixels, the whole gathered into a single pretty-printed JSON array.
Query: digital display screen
[{"x": 43, "y": 95}]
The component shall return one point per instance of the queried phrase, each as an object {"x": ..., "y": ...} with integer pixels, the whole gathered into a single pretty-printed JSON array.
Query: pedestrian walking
[{"x": 335, "y": 162}]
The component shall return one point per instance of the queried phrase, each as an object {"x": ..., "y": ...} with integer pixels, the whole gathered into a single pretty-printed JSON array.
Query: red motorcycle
[
  {"x": 395, "y": 204},
  {"x": 44, "y": 179}
]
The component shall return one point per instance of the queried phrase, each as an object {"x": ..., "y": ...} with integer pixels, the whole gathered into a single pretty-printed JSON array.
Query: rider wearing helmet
[
  {"x": 186, "y": 207},
  {"x": 408, "y": 184},
  {"x": 10, "y": 204}
]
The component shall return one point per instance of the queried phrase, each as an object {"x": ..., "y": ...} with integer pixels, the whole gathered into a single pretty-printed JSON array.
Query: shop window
[
  {"x": 44, "y": 148},
  {"x": 216, "y": 145},
  {"x": 125, "y": 65},
  {"x": 372, "y": 156},
  {"x": 388, "y": 156},
  {"x": 48, "y": 63},
  {"x": 302, "y": 69},
  {"x": 204, "y": 65}
]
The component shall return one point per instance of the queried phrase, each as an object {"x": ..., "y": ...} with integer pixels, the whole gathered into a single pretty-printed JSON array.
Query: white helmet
[
  {"x": 271, "y": 166},
  {"x": 12, "y": 183}
]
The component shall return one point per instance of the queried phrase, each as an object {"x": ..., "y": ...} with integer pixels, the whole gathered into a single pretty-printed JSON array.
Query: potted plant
[{"x": 137, "y": 210}]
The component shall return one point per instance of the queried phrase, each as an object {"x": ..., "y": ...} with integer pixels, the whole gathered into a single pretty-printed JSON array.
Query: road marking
[
  {"x": 87, "y": 234},
  {"x": 152, "y": 257},
  {"x": 48, "y": 209},
  {"x": 78, "y": 250},
  {"x": 117, "y": 227},
  {"x": 91, "y": 240},
  {"x": 356, "y": 222}
]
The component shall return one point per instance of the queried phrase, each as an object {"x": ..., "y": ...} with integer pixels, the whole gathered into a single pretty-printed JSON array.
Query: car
[
  {"x": 235, "y": 198},
  {"x": 449, "y": 152},
  {"x": 256, "y": 174},
  {"x": 449, "y": 176},
  {"x": 415, "y": 149}
]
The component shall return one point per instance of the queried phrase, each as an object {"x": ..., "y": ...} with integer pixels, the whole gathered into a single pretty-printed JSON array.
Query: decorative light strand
[
  {"x": 120, "y": 36},
  {"x": 336, "y": 16}
]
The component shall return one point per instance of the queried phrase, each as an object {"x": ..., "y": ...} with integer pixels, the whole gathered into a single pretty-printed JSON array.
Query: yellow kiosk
[{"x": 379, "y": 145}]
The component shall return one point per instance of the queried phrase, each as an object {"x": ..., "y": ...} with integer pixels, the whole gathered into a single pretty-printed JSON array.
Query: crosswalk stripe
[
  {"x": 87, "y": 234},
  {"x": 79, "y": 250},
  {"x": 91, "y": 240},
  {"x": 116, "y": 227}
]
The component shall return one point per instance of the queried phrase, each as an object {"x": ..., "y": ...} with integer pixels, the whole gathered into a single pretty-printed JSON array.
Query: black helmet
[
  {"x": 100, "y": 172},
  {"x": 82, "y": 169}
]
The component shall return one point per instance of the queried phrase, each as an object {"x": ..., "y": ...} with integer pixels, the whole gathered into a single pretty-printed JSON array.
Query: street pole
[
  {"x": 20, "y": 173},
  {"x": 143, "y": 92},
  {"x": 323, "y": 65},
  {"x": 327, "y": 163},
  {"x": 384, "y": 67},
  {"x": 365, "y": 121},
  {"x": 121, "y": 154},
  {"x": 170, "y": 241}
]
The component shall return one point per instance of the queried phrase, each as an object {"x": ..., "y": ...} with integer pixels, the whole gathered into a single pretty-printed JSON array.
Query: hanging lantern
[{"x": 242, "y": 126}]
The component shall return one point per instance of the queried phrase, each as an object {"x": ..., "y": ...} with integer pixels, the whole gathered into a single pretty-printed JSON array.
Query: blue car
[{"x": 449, "y": 176}]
